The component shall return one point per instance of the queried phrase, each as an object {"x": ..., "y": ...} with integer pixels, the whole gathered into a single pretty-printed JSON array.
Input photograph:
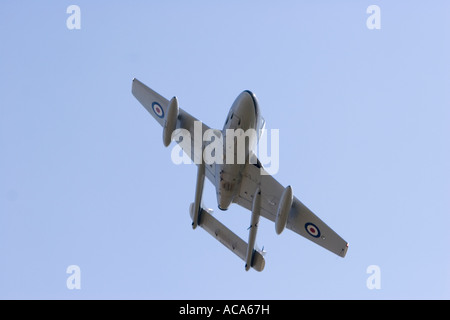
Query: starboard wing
[{"x": 301, "y": 220}]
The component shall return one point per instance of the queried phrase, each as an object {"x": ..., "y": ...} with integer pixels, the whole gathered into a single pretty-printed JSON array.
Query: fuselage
[{"x": 240, "y": 134}]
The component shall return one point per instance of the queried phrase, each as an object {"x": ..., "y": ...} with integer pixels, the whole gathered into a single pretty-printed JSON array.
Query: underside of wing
[
  {"x": 155, "y": 104},
  {"x": 300, "y": 219},
  {"x": 187, "y": 125}
]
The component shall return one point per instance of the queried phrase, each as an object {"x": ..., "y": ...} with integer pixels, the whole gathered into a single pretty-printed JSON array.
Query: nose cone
[{"x": 246, "y": 106}]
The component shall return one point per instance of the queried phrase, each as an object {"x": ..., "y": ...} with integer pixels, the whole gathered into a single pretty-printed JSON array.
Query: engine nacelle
[
  {"x": 283, "y": 209},
  {"x": 171, "y": 121}
]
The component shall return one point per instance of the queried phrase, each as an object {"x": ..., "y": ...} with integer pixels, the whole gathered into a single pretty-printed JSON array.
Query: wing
[
  {"x": 300, "y": 220},
  {"x": 157, "y": 106}
]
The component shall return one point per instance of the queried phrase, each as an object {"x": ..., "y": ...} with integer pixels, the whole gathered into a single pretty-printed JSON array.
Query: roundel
[
  {"x": 158, "y": 110},
  {"x": 312, "y": 229}
]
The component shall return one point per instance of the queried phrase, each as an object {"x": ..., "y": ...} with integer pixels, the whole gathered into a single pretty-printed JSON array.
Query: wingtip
[
  {"x": 344, "y": 251},
  {"x": 135, "y": 84}
]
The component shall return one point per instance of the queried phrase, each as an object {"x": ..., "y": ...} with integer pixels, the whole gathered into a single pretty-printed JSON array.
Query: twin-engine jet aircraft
[{"x": 245, "y": 183}]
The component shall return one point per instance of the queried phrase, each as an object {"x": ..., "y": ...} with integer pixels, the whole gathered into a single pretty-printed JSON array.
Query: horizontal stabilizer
[{"x": 228, "y": 238}]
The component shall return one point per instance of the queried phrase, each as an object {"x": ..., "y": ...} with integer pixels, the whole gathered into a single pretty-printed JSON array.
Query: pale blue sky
[{"x": 85, "y": 179}]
